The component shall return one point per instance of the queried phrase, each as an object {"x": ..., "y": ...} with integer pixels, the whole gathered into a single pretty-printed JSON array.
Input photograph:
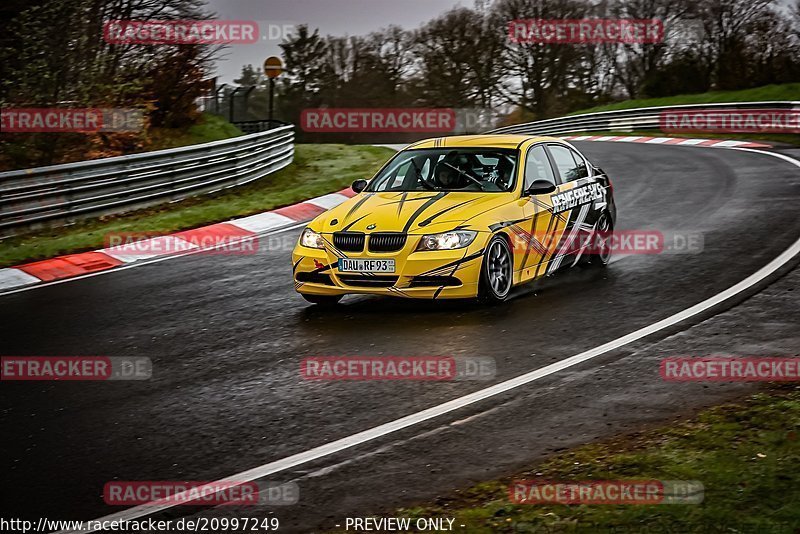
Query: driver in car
[
  {"x": 449, "y": 173},
  {"x": 447, "y": 177}
]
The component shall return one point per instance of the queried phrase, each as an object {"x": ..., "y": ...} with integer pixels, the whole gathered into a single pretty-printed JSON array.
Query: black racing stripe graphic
[
  {"x": 452, "y": 273},
  {"x": 332, "y": 248},
  {"x": 421, "y": 209},
  {"x": 550, "y": 236},
  {"x": 496, "y": 226},
  {"x": 530, "y": 239},
  {"x": 294, "y": 268},
  {"x": 534, "y": 219},
  {"x": 352, "y": 223},
  {"x": 427, "y": 221},
  {"x": 548, "y": 242},
  {"x": 406, "y": 200},
  {"x": 357, "y": 205},
  {"x": 397, "y": 290},
  {"x": 402, "y": 201},
  {"x": 566, "y": 244},
  {"x": 490, "y": 138},
  {"x": 457, "y": 264},
  {"x": 536, "y": 202}
]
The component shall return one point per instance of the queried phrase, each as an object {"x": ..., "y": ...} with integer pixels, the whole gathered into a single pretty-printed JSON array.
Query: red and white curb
[
  {"x": 180, "y": 243},
  {"x": 717, "y": 143}
]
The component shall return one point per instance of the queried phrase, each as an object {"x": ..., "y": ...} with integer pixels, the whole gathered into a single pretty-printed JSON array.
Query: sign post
[{"x": 273, "y": 67}]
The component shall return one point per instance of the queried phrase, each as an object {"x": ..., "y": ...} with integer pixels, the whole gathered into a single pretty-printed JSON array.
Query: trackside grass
[
  {"x": 788, "y": 91},
  {"x": 316, "y": 170},
  {"x": 747, "y": 455}
]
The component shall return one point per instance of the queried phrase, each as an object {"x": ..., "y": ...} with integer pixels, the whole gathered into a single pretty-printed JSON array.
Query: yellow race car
[{"x": 460, "y": 217}]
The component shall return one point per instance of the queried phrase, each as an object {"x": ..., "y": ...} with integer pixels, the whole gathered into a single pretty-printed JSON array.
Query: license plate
[{"x": 347, "y": 265}]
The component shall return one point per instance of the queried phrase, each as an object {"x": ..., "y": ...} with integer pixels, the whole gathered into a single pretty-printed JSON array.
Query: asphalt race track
[{"x": 226, "y": 335}]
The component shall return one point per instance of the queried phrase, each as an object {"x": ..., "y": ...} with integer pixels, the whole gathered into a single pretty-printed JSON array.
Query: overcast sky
[{"x": 334, "y": 17}]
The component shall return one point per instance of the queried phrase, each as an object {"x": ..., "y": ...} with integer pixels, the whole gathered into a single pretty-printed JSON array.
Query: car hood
[{"x": 423, "y": 212}]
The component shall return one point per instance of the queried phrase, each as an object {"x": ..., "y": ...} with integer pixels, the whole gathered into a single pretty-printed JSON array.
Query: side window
[
  {"x": 581, "y": 167},
  {"x": 566, "y": 164},
  {"x": 537, "y": 167}
]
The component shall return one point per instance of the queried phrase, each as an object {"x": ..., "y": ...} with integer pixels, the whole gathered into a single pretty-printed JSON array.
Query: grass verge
[
  {"x": 747, "y": 455},
  {"x": 208, "y": 128},
  {"x": 787, "y": 91},
  {"x": 316, "y": 170}
]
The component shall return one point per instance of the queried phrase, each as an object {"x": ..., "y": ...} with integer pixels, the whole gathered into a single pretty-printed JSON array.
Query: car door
[
  {"x": 574, "y": 201},
  {"x": 537, "y": 237}
]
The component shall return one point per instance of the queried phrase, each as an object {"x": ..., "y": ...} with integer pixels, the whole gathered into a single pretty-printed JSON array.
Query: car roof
[{"x": 479, "y": 141}]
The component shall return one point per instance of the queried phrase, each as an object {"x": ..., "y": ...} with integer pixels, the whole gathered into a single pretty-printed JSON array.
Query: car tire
[
  {"x": 323, "y": 300},
  {"x": 497, "y": 271},
  {"x": 588, "y": 261}
]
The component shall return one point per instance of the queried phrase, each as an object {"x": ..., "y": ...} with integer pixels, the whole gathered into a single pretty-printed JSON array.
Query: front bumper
[{"x": 438, "y": 274}]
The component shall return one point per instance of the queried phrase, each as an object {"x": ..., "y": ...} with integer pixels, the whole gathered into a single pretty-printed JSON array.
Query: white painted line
[
  {"x": 731, "y": 143},
  {"x": 659, "y": 140},
  {"x": 154, "y": 260},
  {"x": 631, "y": 139},
  {"x": 692, "y": 141},
  {"x": 149, "y": 248},
  {"x": 328, "y": 201},
  {"x": 11, "y": 277},
  {"x": 455, "y": 404},
  {"x": 262, "y": 222},
  {"x": 581, "y": 137},
  {"x": 606, "y": 138}
]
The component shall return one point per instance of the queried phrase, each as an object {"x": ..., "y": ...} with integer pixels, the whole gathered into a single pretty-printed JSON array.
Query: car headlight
[
  {"x": 447, "y": 240},
  {"x": 311, "y": 239}
]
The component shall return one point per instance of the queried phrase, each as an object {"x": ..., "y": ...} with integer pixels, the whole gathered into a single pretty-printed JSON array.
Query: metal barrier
[
  {"x": 626, "y": 120},
  {"x": 62, "y": 194}
]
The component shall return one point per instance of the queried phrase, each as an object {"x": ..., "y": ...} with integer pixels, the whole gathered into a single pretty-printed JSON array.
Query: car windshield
[{"x": 449, "y": 169}]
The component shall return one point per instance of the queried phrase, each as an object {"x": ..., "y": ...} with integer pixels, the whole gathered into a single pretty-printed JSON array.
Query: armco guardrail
[
  {"x": 61, "y": 194},
  {"x": 626, "y": 120}
]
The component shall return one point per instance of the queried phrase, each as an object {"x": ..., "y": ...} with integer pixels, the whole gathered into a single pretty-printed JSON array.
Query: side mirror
[
  {"x": 359, "y": 185},
  {"x": 540, "y": 187}
]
